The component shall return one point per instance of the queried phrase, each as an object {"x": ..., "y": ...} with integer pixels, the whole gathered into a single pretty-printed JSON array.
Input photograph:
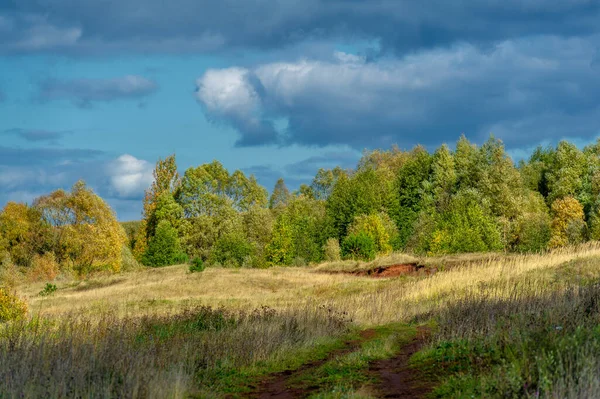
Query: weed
[{"x": 49, "y": 289}]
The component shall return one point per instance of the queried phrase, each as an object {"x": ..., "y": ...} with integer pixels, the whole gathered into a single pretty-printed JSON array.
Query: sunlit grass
[{"x": 470, "y": 297}]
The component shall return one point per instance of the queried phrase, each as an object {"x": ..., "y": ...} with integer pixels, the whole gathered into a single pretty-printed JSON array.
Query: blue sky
[{"x": 101, "y": 89}]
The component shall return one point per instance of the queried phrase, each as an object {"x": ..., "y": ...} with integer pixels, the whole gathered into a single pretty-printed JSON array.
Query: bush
[
  {"x": 43, "y": 268},
  {"x": 280, "y": 250},
  {"x": 533, "y": 233},
  {"x": 164, "y": 248},
  {"x": 49, "y": 289},
  {"x": 467, "y": 226},
  {"x": 332, "y": 251},
  {"x": 373, "y": 226},
  {"x": 128, "y": 261},
  {"x": 11, "y": 307},
  {"x": 568, "y": 226},
  {"x": 10, "y": 275},
  {"x": 359, "y": 246},
  {"x": 231, "y": 250},
  {"x": 299, "y": 261},
  {"x": 197, "y": 266}
]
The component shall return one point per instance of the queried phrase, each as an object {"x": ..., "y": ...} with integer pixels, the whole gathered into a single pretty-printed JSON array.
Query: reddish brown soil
[
  {"x": 395, "y": 270},
  {"x": 277, "y": 385},
  {"x": 397, "y": 379}
]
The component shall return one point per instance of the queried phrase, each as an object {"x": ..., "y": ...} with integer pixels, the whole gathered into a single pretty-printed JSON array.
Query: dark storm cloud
[
  {"x": 10, "y": 156},
  {"x": 200, "y": 25},
  {"x": 84, "y": 92},
  {"x": 524, "y": 90},
  {"x": 37, "y": 135}
]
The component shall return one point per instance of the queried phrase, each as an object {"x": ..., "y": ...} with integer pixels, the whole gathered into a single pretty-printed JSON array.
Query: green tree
[
  {"x": 360, "y": 246},
  {"x": 531, "y": 229},
  {"x": 199, "y": 234},
  {"x": 166, "y": 180},
  {"x": 324, "y": 181},
  {"x": 565, "y": 177},
  {"x": 280, "y": 196},
  {"x": 257, "y": 224},
  {"x": 443, "y": 177},
  {"x": 409, "y": 192},
  {"x": 568, "y": 226},
  {"x": 467, "y": 226},
  {"x": 209, "y": 187},
  {"x": 232, "y": 249},
  {"x": 164, "y": 247},
  {"x": 374, "y": 226},
  {"x": 465, "y": 160},
  {"x": 498, "y": 180},
  {"x": 168, "y": 209},
  {"x": 280, "y": 250},
  {"x": 365, "y": 192}
]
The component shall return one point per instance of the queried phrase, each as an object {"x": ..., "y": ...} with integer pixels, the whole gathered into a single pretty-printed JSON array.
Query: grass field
[{"x": 501, "y": 326}]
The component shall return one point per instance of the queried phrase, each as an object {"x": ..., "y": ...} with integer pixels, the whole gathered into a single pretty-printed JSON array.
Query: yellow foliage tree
[
  {"x": 375, "y": 226},
  {"x": 11, "y": 307},
  {"x": 86, "y": 234},
  {"x": 567, "y": 222},
  {"x": 21, "y": 232}
]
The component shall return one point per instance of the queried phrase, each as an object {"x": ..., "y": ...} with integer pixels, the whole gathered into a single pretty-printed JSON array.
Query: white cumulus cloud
[{"x": 130, "y": 176}]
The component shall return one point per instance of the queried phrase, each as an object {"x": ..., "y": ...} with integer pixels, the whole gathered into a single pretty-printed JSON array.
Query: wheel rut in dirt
[
  {"x": 400, "y": 269},
  {"x": 277, "y": 386},
  {"x": 396, "y": 378}
]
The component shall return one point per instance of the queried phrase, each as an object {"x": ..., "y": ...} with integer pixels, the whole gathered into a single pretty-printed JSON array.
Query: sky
[{"x": 101, "y": 89}]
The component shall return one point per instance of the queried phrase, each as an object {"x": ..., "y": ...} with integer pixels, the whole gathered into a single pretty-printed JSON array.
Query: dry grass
[
  {"x": 173, "y": 288},
  {"x": 155, "y": 356},
  {"x": 485, "y": 289},
  {"x": 370, "y": 301}
]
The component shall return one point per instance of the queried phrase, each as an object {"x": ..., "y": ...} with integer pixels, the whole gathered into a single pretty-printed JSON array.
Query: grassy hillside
[{"x": 497, "y": 326}]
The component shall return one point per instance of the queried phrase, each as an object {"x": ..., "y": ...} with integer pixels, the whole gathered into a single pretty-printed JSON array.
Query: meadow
[{"x": 491, "y": 325}]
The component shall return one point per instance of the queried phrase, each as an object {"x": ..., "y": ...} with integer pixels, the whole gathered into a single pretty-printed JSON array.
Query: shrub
[
  {"x": 128, "y": 261},
  {"x": 373, "y": 226},
  {"x": 568, "y": 226},
  {"x": 164, "y": 248},
  {"x": 359, "y": 246},
  {"x": 332, "y": 251},
  {"x": 231, "y": 250},
  {"x": 467, "y": 226},
  {"x": 280, "y": 249},
  {"x": 9, "y": 273},
  {"x": 49, "y": 289},
  {"x": 11, "y": 307},
  {"x": 197, "y": 265},
  {"x": 43, "y": 268},
  {"x": 533, "y": 233},
  {"x": 299, "y": 261}
]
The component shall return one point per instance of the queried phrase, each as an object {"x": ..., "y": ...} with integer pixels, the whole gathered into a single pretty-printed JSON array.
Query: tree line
[{"x": 466, "y": 199}]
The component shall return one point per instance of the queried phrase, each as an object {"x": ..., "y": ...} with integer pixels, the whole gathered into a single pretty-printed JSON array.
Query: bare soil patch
[
  {"x": 396, "y": 270},
  {"x": 277, "y": 385},
  {"x": 397, "y": 379}
]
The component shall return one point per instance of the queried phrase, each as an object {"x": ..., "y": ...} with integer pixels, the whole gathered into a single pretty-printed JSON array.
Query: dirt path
[
  {"x": 397, "y": 380},
  {"x": 277, "y": 385}
]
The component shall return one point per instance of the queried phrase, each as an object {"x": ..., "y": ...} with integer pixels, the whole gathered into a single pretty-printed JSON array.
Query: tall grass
[
  {"x": 533, "y": 338},
  {"x": 508, "y": 326},
  {"x": 154, "y": 356}
]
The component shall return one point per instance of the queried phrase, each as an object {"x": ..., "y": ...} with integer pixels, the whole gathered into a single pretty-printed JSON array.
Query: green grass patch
[
  {"x": 344, "y": 375},
  {"x": 239, "y": 381},
  {"x": 546, "y": 346}
]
